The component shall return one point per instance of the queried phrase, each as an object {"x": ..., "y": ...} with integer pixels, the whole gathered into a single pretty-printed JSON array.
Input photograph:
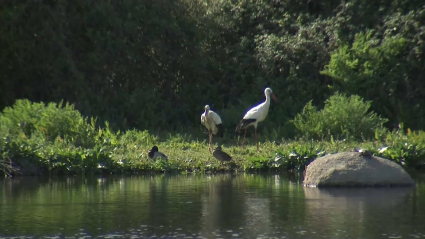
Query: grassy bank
[
  {"x": 127, "y": 153},
  {"x": 57, "y": 139}
]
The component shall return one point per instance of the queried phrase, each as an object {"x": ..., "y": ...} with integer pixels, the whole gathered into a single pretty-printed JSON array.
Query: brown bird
[{"x": 220, "y": 155}]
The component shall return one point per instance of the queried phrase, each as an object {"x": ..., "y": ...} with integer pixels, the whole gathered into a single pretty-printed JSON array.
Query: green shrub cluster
[
  {"x": 154, "y": 64},
  {"x": 341, "y": 117},
  {"x": 53, "y": 136},
  {"x": 57, "y": 139}
]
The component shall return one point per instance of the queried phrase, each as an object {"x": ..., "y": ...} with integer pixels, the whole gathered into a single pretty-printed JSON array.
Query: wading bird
[
  {"x": 220, "y": 155},
  {"x": 256, "y": 115},
  {"x": 213, "y": 123},
  {"x": 154, "y": 154}
]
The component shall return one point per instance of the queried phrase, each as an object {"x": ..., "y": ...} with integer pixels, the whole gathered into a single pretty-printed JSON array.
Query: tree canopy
[{"x": 156, "y": 63}]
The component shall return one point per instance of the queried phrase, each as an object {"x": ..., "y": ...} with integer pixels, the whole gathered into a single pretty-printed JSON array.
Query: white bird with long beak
[
  {"x": 212, "y": 121},
  {"x": 256, "y": 115}
]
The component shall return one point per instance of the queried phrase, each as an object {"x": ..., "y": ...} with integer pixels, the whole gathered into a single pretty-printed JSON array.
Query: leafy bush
[
  {"x": 59, "y": 150},
  {"x": 118, "y": 59},
  {"x": 342, "y": 117},
  {"x": 407, "y": 149},
  {"x": 55, "y": 136},
  {"x": 51, "y": 121},
  {"x": 377, "y": 69}
]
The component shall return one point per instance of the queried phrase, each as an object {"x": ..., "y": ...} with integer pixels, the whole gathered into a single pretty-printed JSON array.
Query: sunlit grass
[
  {"x": 188, "y": 153},
  {"x": 127, "y": 153},
  {"x": 61, "y": 141},
  {"x": 191, "y": 155}
]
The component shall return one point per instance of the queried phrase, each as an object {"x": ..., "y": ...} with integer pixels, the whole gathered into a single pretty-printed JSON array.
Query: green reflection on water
[{"x": 243, "y": 204}]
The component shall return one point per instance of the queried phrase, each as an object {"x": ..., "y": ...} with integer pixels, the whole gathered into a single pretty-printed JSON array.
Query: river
[{"x": 205, "y": 206}]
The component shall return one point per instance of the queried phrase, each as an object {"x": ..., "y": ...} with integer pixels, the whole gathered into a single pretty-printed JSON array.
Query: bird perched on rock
[
  {"x": 212, "y": 121},
  {"x": 365, "y": 153},
  {"x": 154, "y": 154},
  {"x": 220, "y": 155}
]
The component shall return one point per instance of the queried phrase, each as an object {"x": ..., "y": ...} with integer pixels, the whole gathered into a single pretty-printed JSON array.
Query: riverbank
[
  {"x": 127, "y": 154},
  {"x": 55, "y": 139}
]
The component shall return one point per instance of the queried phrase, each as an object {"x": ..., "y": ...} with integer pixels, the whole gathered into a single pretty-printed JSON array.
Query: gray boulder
[{"x": 355, "y": 169}]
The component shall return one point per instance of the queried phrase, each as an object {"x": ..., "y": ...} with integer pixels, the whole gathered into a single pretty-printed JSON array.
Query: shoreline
[{"x": 189, "y": 158}]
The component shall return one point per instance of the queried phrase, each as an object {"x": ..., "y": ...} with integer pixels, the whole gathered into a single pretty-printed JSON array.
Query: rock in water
[{"x": 353, "y": 169}]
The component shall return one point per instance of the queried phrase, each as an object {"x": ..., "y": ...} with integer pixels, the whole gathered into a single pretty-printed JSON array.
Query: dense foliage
[
  {"x": 341, "y": 69},
  {"x": 56, "y": 139},
  {"x": 341, "y": 118},
  {"x": 155, "y": 63}
]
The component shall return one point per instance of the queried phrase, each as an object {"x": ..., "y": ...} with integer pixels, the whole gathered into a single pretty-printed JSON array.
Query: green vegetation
[
  {"x": 344, "y": 117},
  {"x": 57, "y": 139},
  {"x": 153, "y": 65}
]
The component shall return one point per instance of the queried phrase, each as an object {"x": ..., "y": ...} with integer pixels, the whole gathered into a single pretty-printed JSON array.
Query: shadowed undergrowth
[{"x": 154, "y": 64}]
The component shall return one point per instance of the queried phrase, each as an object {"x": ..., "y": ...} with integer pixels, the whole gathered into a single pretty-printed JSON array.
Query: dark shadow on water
[
  {"x": 367, "y": 211},
  {"x": 381, "y": 197}
]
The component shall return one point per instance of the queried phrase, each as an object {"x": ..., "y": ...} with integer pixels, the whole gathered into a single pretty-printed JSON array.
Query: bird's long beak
[
  {"x": 206, "y": 112},
  {"x": 274, "y": 97}
]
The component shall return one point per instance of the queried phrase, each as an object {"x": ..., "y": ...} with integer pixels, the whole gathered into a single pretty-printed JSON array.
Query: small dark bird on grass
[
  {"x": 154, "y": 154},
  {"x": 220, "y": 155}
]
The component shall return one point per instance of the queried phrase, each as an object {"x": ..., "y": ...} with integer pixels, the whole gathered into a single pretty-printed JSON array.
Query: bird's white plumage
[
  {"x": 256, "y": 114},
  {"x": 159, "y": 155},
  {"x": 211, "y": 121},
  {"x": 155, "y": 154},
  {"x": 259, "y": 112}
]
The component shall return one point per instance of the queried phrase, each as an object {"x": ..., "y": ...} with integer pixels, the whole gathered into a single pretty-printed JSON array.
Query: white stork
[
  {"x": 212, "y": 121},
  {"x": 256, "y": 115}
]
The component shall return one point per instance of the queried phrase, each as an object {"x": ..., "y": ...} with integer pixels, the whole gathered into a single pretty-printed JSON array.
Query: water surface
[{"x": 203, "y": 206}]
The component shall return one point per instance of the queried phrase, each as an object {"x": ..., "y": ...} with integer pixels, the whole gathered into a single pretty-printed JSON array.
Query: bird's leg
[
  {"x": 211, "y": 136},
  {"x": 210, "y": 139},
  {"x": 243, "y": 140},
  {"x": 256, "y": 140}
]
